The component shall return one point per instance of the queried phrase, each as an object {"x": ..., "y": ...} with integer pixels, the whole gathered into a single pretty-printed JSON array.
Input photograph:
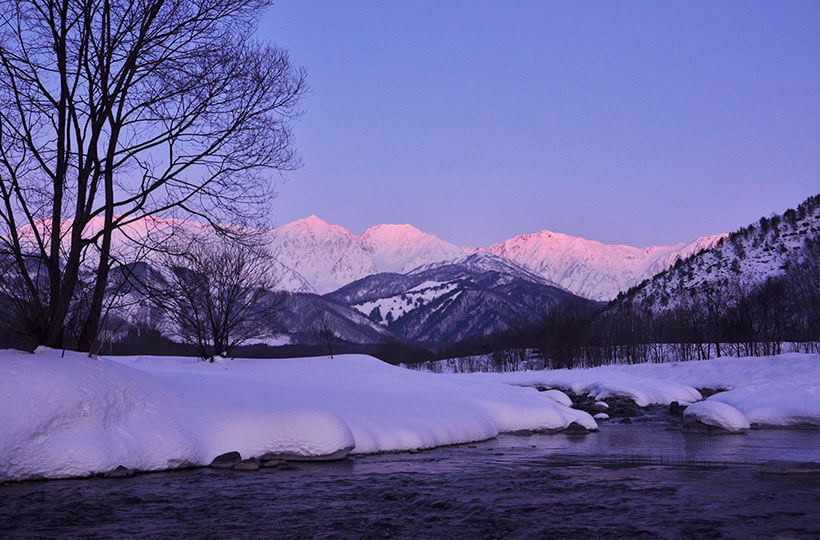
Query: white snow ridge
[{"x": 70, "y": 415}]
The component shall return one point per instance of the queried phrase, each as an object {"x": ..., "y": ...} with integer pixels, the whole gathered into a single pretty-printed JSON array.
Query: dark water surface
[{"x": 624, "y": 481}]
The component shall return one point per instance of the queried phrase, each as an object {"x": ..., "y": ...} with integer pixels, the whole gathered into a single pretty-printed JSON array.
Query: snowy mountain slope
[
  {"x": 770, "y": 248},
  {"x": 388, "y": 284},
  {"x": 306, "y": 317},
  {"x": 314, "y": 256},
  {"x": 592, "y": 269},
  {"x": 329, "y": 257},
  {"x": 326, "y": 256},
  {"x": 454, "y": 300},
  {"x": 401, "y": 248}
]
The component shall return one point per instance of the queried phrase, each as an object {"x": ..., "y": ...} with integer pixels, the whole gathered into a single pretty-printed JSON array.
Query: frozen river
[{"x": 638, "y": 480}]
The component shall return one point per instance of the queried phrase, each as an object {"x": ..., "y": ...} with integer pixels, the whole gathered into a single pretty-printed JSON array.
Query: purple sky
[{"x": 624, "y": 122}]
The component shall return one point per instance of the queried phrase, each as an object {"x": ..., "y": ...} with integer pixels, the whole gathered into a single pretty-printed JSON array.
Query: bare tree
[
  {"x": 114, "y": 110},
  {"x": 217, "y": 294}
]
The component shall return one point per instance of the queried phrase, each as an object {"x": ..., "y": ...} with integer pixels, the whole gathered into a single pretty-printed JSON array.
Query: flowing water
[{"x": 637, "y": 480}]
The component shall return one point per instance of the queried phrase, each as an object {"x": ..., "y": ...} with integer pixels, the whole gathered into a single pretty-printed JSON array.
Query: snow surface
[
  {"x": 558, "y": 396},
  {"x": 70, "y": 415},
  {"x": 717, "y": 414},
  {"x": 782, "y": 390}
]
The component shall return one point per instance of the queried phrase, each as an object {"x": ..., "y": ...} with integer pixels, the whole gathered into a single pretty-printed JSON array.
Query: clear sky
[{"x": 624, "y": 122}]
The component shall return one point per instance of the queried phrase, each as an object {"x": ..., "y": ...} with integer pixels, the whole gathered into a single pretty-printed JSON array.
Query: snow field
[
  {"x": 71, "y": 415},
  {"x": 399, "y": 305}
]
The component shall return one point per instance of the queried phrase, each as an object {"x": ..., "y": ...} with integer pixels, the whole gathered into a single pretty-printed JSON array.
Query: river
[{"x": 639, "y": 480}]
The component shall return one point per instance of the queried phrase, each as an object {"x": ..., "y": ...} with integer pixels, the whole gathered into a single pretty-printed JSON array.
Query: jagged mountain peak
[
  {"x": 400, "y": 248},
  {"x": 590, "y": 268},
  {"x": 394, "y": 232},
  {"x": 315, "y": 226}
]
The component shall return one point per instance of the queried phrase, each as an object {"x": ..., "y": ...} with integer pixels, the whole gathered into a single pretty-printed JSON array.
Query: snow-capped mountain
[
  {"x": 329, "y": 256},
  {"x": 325, "y": 256},
  {"x": 311, "y": 255},
  {"x": 401, "y": 248},
  {"x": 591, "y": 269}
]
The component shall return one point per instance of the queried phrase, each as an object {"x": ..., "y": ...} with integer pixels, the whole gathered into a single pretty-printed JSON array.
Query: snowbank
[
  {"x": 601, "y": 383},
  {"x": 75, "y": 416},
  {"x": 782, "y": 390},
  {"x": 716, "y": 414},
  {"x": 559, "y": 396}
]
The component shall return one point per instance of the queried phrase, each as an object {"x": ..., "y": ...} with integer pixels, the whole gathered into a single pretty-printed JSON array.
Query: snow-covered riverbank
[
  {"x": 65, "y": 414},
  {"x": 69, "y": 415},
  {"x": 771, "y": 391}
]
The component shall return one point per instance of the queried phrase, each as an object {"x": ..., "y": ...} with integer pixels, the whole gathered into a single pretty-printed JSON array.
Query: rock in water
[
  {"x": 274, "y": 456},
  {"x": 226, "y": 460},
  {"x": 273, "y": 463},
  {"x": 576, "y": 429},
  {"x": 120, "y": 472},
  {"x": 676, "y": 409},
  {"x": 250, "y": 464}
]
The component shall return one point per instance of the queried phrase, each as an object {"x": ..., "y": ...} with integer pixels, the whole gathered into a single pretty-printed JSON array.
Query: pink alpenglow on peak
[
  {"x": 315, "y": 225},
  {"x": 401, "y": 248},
  {"x": 592, "y": 269},
  {"x": 315, "y": 256}
]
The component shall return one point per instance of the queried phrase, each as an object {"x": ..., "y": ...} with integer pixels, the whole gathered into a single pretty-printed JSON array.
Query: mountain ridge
[
  {"x": 314, "y": 256},
  {"x": 587, "y": 268}
]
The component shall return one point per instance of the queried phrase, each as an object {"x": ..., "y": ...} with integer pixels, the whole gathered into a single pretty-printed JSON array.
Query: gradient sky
[{"x": 624, "y": 122}]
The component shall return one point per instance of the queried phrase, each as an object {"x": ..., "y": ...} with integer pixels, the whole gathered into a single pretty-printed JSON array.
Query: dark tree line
[{"x": 728, "y": 317}]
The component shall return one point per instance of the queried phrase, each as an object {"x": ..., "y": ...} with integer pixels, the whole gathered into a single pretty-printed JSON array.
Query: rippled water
[{"x": 625, "y": 481}]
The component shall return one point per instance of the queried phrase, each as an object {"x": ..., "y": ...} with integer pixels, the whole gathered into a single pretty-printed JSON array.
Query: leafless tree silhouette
[
  {"x": 217, "y": 293},
  {"x": 112, "y": 111}
]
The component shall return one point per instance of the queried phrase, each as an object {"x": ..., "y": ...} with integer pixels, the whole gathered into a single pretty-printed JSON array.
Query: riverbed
[{"x": 639, "y": 480}]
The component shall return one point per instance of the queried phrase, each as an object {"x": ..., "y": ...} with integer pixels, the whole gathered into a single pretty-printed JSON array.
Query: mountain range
[
  {"x": 395, "y": 285},
  {"x": 313, "y": 256},
  {"x": 320, "y": 257}
]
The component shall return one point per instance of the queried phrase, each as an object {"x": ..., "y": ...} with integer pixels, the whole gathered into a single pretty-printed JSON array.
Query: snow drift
[
  {"x": 776, "y": 391},
  {"x": 70, "y": 415}
]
